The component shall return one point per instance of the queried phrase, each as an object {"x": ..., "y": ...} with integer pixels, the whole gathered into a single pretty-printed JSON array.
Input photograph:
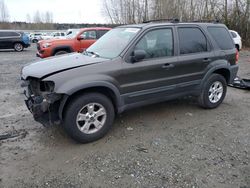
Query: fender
[
  {"x": 61, "y": 47},
  {"x": 214, "y": 66},
  {"x": 82, "y": 86}
]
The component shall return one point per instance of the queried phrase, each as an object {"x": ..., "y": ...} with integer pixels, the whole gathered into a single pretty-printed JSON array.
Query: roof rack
[
  {"x": 172, "y": 20},
  {"x": 208, "y": 21}
]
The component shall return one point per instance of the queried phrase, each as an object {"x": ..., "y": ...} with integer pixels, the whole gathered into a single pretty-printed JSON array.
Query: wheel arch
[
  {"x": 60, "y": 48},
  {"x": 16, "y": 42},
  {"x": 109, "y": 92},
  {"x": 221, "y": 67},
  {"x": 224, "y": 72}
]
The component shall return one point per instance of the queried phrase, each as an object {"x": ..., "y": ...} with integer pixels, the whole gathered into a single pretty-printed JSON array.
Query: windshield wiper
[{"x": 93, "y": 53}]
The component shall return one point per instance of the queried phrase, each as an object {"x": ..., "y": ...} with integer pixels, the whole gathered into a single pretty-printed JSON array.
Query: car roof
[
  {"x": 233, "y": 31},
  {"x": 157, "y": 24},
  {"x": 11, "y": 31},
  {"x": 94, "y": 28}
]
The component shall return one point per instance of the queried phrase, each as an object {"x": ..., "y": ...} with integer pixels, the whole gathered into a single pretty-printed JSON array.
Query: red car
[{"x": 77, "y": 41}]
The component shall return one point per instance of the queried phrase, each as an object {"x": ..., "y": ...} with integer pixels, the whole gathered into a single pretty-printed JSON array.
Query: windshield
[
  {"x": 113, "y": 42},
  {"x": 73, "y": 34}
]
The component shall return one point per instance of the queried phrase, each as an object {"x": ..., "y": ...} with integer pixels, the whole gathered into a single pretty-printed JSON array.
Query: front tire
[
  {"x": 88, "y": 117},
  {"x": 35, "y": 41},
  {"x": 213, "y": 92},
  {"x": 18, "y": 47},
  {"x": 60, "y": 53}
]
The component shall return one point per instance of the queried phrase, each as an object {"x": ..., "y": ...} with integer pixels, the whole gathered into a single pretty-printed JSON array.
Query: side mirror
[
  {"x": 138, "y": 55},
  {"x": 80, "y": 37}
]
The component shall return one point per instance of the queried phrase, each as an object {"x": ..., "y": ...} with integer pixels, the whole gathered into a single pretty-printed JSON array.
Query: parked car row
[
  {"x": 35, "y": 37},
  {"x": 73, "y": 40}
]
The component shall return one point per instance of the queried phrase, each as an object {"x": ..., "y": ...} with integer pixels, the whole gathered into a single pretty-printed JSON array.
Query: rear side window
[
  {"x": 233, "y": 34},
  {"x": 9, "y": 34},
  {"x": 222, "y": 37},
  {"x": 101, "y": 33},
  {"x": 191, "y": 40}
]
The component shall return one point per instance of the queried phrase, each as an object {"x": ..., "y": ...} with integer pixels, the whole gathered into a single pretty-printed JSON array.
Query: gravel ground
[{"x": 171, "y": 144}]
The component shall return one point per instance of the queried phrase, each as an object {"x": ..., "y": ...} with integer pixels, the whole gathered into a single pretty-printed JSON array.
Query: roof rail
[
  {"x": 172, "y": 20},
  {"x": 208, "y": 21}
]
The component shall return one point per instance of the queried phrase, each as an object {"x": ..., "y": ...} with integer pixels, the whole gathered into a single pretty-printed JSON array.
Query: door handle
[
  {"x": 206, "y": 60},
  {"x": 168, "y": 66}
]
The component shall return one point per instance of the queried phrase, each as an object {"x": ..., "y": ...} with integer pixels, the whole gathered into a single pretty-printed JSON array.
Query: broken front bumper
[{"x": 44, "y": 108}]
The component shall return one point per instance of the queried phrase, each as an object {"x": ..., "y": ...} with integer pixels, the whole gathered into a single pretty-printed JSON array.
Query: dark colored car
[
  {"x": 16, "y": 40},
  {"x": 78, "y": 41},
  {"x": 131, "y": 66}
]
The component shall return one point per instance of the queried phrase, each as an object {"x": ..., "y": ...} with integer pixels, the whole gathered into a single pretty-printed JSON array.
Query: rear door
[
  {"x": 194, "y": 56},
  {"x": 88, "y": 38}
]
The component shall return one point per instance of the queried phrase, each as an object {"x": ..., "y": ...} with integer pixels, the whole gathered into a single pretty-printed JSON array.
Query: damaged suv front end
[
  {"x": 41, "y": 100},
  {"x": 42, "y": 80}
]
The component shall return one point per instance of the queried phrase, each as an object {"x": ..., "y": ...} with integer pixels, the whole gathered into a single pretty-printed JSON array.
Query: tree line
[
  {"x": 234, "y": 13},
  {"x": 40, "y": 20}
]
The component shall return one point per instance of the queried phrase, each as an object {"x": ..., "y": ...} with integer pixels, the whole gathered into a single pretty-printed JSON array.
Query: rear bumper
[{"x": 233, "y": 73}]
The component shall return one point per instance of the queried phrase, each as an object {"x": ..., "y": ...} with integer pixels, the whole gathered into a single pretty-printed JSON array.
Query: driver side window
[
  {"x": 89, "y": 35},
  {"x": 157, "y": 43}
]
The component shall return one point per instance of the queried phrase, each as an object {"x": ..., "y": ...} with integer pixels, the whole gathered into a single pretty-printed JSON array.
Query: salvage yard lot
[{"x": 171, "y": 144}]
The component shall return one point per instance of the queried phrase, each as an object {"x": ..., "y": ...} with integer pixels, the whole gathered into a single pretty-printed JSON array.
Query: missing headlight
[{"x": 47, "y": 86}]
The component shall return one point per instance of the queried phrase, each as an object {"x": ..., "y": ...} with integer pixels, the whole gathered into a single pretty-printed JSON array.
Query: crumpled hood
[{"x": 52, "y": 65}]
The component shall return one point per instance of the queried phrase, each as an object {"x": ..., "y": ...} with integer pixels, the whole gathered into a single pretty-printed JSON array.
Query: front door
[
  {"x": 87, "y": 39},
  {"x": 152, "y": 77}
]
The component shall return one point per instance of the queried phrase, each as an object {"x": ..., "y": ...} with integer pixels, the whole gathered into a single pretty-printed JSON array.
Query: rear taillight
[{"x": 237, "y": 57}]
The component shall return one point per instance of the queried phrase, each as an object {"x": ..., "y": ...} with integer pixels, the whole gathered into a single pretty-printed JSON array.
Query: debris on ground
[
  {"x": 13, "y": 134},
  {"x": 130, "y": 129},
  {"x": 241, "y": 83}
]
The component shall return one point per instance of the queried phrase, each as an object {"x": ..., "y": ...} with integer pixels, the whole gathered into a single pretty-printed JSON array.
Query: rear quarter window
[
  {"x": 102, "y": 32},
  {"x": 221, "y": 37},
  {"x": 233, "y": 34}
]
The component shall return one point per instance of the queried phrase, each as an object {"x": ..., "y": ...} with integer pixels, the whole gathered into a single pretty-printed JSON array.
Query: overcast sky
[{"x": 64, "y": 11}]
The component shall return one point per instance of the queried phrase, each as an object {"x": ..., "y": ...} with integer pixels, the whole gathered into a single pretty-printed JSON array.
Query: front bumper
[
  {"x": 43, "y": 108},
  {"x": 41, "y": 52}
]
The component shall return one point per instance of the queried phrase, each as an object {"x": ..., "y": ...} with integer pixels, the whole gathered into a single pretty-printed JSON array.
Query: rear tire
[
  {"x": 60, "y": 53},
  {"x": 18, "y": 47},
  {"x": 213, "y": 92},
  {"x": 88, "y": 117}
]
